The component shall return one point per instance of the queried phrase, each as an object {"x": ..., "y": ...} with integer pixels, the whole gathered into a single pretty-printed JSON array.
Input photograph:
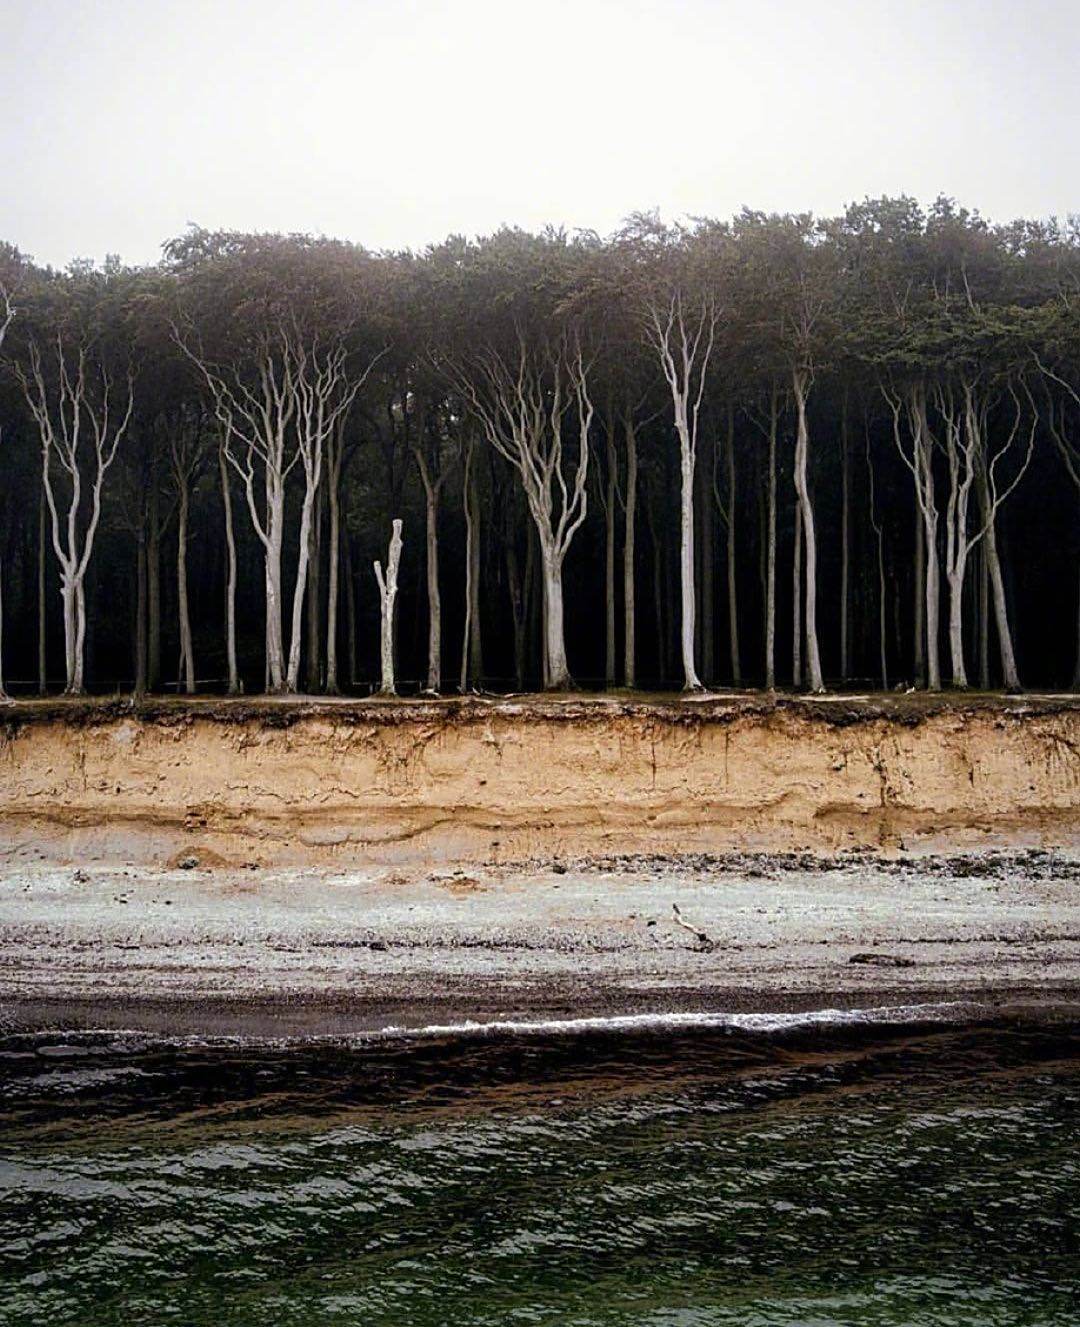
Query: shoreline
[{"x": 317, "y": 953}]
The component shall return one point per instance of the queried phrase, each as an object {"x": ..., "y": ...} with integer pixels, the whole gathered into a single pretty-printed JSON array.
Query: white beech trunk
[
  {"x": 684, "y": 346},
  {"x": 984, "y": 622},
  {"x": 796, "y": 601},
  {"x": 521, "y": 403},
  {"x": 230, "y": 575},
  {"x": 350, "y": 608},
  {"x": 800, "y": 379},
  {"x": 388, "y": 587},
  {"x": 770, "y": 565},
  {"x": 153, "y": 587},
  {"x": 3, "y": 692},
  {"x": 277, "y": 411},
  {"x": 912, "y": 405},
  {"x": 312, "y": 476},
  {"x": 432, "y": 486},
  {"x": 609, "y": 551},
  {"x": 879, "y": 532},
  {"x": 139, "y": 687},
  {"x": 517, "y": 610},
  {"x": 471, "y": 643},
  {"x": 313, "y": 598},
  {"x": 845, "y": 522},
  {"x": 43, "y": 679},
  {"x": 732, "y": 579},
  {"x": 75, "y": 404},
  {"x": 964, "y": 410},
  {"x": 335, "y": 461},
  {"x": 920, "y": 599},
  {"x": 187, "y": 652},
  {"x": 629, "y": 641},
  {"x": 707, "y": 560},
  {"x": 992, "y": 563},
  {"x": 185, "y": 457},
  {"x": 687, "y": 598},
  {"x": 1076, "y": 665}
]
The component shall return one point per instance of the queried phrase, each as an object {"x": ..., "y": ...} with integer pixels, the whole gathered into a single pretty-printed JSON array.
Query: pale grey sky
[{"x": 397, "y": 123}]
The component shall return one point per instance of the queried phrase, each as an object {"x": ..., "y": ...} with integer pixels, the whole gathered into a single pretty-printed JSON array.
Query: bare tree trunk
[
  {"x": 388, "y": 585},
  {"x": 543, "y": 617},
  {"x": 609, "y": 551},
  {"x": 67, "y": 412},
  {"x": 1076, "y": 664},
  {"x": 230, "y": 576},
  {"x": 933, "y": 601},
  {"x": 800, "y": 383},
  {"x": 517, "y": 610},
  {"x": 153, "y": 589},
  {"x": 431, "y": 509},
  {"x": 43, "y": 680},
  {"x": 883, "y": 648},
  {"x": 314, "y": 599},
  {"x": 955, "y": 579},
  {"x": 471, "y": 564},
  {"x": 658, "y": 590},
  {"x": 350, "y": 609},
  {"x": 307, "y": 515},
  {"x": 530, "y": 597},
  {"x": 796, "y": 602},
  {"x": 187, "y": 654},
  {"x": 707, "y": 559},
  {"x": 140, "y": 608},
  {"x": 1009, "y": 672},
  {"x": 559, "y": 670},
  {"x": 684, "y": 349},
  {"x": 78, "y": 674},
  {"x": 879, "y": 532},
  {"x": 335, "y": 446},
  {"x": 920, "y": 600},
  {"x": 732, "y": 579},
  {"x": 3, "y": 692},
  {"x": 920, "y": 463},
  {"x": 770, "y": 573},
  {"x": 691, "y": 681},
  {"x": 629, "y": 642},
  {"x": 984, "y": 622},
  {"x": 476, "y": 650},
  {"x": 845, "y": 522}
]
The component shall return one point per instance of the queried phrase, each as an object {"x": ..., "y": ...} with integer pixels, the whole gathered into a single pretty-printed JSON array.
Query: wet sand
[{"x": 301, "y": 952}]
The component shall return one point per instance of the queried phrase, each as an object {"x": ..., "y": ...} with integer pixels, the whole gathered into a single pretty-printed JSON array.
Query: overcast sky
[{"x": 395, "y": 122}]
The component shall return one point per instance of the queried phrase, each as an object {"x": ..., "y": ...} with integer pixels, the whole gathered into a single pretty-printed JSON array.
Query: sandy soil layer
[
  {"x": 197, "y": 949},
  {"x": 363, "y": 784}
]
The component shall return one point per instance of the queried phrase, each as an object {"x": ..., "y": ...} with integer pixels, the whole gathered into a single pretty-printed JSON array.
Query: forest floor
[
  {"x": 833, "y": 706},
  {"x": 200, "y": 949}
]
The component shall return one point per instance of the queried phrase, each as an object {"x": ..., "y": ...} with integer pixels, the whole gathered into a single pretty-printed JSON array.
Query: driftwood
[{"x": 704, "y": 941}]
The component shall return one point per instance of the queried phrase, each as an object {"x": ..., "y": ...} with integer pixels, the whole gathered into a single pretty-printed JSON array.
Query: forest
[{"x": 774, "y": 451}]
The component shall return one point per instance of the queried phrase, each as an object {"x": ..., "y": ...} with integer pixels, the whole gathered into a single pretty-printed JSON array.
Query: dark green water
[{"x": 918, "y": 1176}]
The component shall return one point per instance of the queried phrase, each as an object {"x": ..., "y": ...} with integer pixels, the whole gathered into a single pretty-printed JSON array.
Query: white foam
[
  {"x": 762, "y": 1023},
  {"x": 945, "y": 1011}
]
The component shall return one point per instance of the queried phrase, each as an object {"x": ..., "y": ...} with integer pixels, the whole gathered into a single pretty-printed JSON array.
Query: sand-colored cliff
[{"x": 349, "y": 782}]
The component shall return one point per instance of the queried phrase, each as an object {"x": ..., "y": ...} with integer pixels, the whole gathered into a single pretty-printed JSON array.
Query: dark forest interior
[{"x": 805, "y": 415}]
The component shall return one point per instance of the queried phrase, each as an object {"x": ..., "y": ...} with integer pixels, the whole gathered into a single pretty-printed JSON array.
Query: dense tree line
[{"x": 776, "y": 450}]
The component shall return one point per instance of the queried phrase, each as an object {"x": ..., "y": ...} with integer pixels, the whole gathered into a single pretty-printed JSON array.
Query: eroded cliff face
[{"x": 418, "y": 783}]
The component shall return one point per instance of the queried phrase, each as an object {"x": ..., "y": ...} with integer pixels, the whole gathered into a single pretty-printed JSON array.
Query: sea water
[{"x": 895, "y": 1169}]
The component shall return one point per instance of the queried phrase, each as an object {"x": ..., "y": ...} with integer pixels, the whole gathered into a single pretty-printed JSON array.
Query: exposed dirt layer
[
  {"x": 362, "y": 784},
  {"x": 196, "y": 949}
]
